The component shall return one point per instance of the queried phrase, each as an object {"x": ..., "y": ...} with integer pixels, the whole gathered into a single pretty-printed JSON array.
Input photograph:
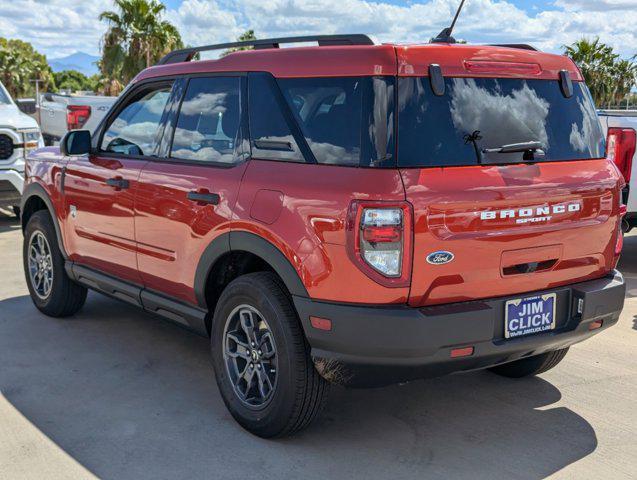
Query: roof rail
[
  {"x": 187, "y": 54},
  {"x": 521, "y": 46}
]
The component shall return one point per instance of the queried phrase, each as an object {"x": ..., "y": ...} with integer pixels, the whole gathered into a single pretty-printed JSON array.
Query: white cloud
[
  {"x": 60, "y": 27},
  {"x": 55, "y": 27},
  {"x": 204, "y": 22}
]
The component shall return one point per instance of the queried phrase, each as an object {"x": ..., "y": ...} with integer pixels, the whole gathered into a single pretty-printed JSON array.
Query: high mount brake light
[
  {"x": 477, "y": 66},
  {"x": 77, "y": 116},
  {"x": 620, "y": 149},
  {"x": 379, "y": 241}
]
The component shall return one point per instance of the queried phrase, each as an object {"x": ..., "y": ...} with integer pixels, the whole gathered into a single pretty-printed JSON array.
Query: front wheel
[
  {"x": 261, "y": 358},
  {"x": 52, "y": 291},
  {"x": 529, "y": 366}
]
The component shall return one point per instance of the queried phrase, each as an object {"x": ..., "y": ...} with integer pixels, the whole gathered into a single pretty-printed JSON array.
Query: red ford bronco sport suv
[{"x": 349, "y": 212}]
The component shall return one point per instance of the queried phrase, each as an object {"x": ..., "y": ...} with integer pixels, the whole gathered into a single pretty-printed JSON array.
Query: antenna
[{"x": 445, "y": 35}]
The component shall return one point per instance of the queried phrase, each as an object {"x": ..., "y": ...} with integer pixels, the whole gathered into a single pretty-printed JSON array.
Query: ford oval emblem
[{"x": 440, "y": 257}]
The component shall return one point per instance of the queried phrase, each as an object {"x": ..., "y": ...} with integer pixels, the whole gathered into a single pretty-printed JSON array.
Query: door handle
[
  {"x": 204, "y": 198},
  {"x": 117, "y": 183}
]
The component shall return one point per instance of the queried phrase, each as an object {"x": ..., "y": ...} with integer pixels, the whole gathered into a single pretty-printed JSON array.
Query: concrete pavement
[{"x": 116, "y": 393}]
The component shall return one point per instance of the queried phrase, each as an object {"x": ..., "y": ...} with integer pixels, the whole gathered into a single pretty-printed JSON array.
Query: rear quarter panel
[{"x": 302, "y": 210}]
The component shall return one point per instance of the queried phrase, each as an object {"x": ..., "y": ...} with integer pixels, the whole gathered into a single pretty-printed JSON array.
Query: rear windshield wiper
[{"x": 530, "y": 149}]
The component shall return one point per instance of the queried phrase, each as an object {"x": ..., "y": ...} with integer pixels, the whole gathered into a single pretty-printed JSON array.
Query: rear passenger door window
[
  {"x": 135, "y": 130},
  {"x": 209, "y": 125}
]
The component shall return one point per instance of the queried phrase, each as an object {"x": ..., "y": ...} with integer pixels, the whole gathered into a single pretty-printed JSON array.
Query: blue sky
[
  {"x": 530, "y": 6},
  {"x": 60, "y": 27}
]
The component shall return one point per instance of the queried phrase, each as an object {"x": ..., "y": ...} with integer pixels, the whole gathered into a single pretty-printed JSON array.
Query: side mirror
[{"x": 76, "y": 142}]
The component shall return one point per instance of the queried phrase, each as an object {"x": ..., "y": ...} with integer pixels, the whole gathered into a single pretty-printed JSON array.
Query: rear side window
[
  {"x": 345, "y": 121},
  {"x": 272, "y": 137},
  {"x": 208, "y": 126},
  {"x": 433, "y": 130},
  {"x": 134, "y": 131}
]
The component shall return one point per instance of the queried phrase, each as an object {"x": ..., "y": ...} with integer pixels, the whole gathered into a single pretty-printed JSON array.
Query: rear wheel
[
  {"x": 52, "y": 291},
  {"x": 531, "y": 365},
  {"x": 261, "y": 359}
]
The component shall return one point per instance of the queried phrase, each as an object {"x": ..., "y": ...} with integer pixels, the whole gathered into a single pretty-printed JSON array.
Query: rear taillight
[
  {"x": 76, "y": 116},
  {"x": 380, "y": 241},
  {"x": 620, "y": 149}
]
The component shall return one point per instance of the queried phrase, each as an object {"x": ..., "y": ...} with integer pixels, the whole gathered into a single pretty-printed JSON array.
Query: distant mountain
[{"x": 82, "y": 62}]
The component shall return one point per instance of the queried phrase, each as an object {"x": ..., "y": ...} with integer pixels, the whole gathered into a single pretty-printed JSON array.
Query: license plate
[{"x": 526, "y": 316}]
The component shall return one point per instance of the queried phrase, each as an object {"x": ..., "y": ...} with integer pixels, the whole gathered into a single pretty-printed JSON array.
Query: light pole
[{"x": 37, "y": 98}]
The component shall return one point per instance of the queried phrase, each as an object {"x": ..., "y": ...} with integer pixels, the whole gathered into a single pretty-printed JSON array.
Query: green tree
[
  {"x": 244, "y": 37},
  {"x": 20, "y": 63},
  {"x": 624, "y": 80},
  {"x": 609, "y": 78},
  {"x": 72, "y": 80},
  {"x": 137, "y": 37}
]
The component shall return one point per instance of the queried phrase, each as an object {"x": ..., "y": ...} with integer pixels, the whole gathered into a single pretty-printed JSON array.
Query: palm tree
[
  {"x": 609, "y": 78},
  {"x": 625, "y": 79},
  {"x": 596, "y": 61},
  {"x": 244, "y": 37},
  {"x": 136, "y": 38},
  {"x": 20, "y": 63}
]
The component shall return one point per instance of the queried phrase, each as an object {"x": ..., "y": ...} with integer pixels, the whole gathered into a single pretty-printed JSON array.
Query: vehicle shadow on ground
[
  {"x": 131, "y": 396},
  {"x": 7, "y": 222},
  {"x": 628, "y": 265}
]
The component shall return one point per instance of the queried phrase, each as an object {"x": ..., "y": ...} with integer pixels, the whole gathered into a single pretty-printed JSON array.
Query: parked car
[
  {"x": 19, "y": 134},
  {"x": 60, "y": 113},
  {"x": 346, "y": 213},
  {"x": 620, "y": 129}
]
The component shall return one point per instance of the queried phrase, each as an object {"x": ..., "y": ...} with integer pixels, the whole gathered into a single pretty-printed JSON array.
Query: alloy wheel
[
  {"x": 250, "y": 356},
  {"x": 40, "y": 264}
]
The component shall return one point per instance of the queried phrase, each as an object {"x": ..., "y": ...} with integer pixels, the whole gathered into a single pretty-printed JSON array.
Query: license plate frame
[{"x": 530, "y": 313}]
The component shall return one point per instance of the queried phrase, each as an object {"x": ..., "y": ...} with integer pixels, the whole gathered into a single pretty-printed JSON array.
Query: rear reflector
[
  {"x": 321, "y": 323},
  {"x": 461, "y": 352},
  {"x": 595, "y": 325},
  {"x": 474, "y": 66},
  {"x": 389, "y": 234}
]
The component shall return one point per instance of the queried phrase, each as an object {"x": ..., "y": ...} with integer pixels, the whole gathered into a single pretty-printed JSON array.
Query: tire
[
  {"x": 63, "y": 297},
  {"x": 531, "y": 365},
  {"x": 298, "y": 392}
]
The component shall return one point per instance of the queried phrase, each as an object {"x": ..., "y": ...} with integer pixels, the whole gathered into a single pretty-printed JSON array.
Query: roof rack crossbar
[{"x": 187, "y": 54}]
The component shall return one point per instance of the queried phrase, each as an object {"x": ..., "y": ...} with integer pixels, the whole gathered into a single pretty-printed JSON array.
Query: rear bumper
[
  {"x": 374, "y": 346},
  {"x": 11, "y": 185}
]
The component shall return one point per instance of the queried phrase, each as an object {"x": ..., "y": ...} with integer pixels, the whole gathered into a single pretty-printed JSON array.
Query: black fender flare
[
  {"x": 251, "y": 243},
  {"x": 37, "y": 190}
]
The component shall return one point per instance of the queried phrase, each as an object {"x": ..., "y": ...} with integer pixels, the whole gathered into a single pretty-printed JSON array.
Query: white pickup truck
[
  {"x": 19, "y": 134},
  {"x": 620, "y": 127},
  {"x": 60, "y": 113}
]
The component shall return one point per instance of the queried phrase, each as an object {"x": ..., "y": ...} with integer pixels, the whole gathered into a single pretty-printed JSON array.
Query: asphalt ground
[{"x": 117, "y": 393}]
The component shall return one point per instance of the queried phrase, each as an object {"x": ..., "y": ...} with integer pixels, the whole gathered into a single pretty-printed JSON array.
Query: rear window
[{"x": 433, "y": 129}]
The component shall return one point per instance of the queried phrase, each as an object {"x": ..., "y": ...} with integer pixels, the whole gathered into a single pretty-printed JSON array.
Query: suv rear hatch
[{"x": 536, "y": 218}]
